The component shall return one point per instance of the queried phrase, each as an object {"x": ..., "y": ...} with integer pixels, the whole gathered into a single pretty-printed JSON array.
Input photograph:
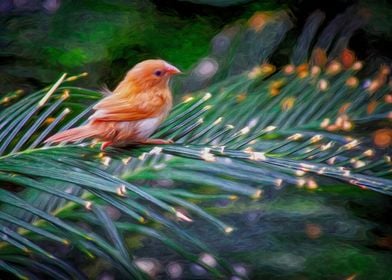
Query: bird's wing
[{"x": 128, "y": 108}]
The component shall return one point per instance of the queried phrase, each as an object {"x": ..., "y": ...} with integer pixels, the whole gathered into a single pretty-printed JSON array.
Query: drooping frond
[{"x": 249, "y": 134}]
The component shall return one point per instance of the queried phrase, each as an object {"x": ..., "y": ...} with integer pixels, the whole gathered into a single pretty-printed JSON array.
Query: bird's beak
[{"x": 172, "y": 70}]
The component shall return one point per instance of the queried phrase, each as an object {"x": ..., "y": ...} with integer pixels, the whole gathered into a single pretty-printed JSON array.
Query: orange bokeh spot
[
  {"x": 347, "y": 58},
  {"x": 383, "y": 137},
  {"x": 371, "y": 107},
  {"x": 258, "y": 20},
  {"x": 319, "y": 57},
  {"x": 313, "y": 231}
]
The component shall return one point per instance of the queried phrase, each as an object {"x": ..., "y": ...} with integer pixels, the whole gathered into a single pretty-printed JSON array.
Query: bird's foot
[
  {"x": 157, "y": 142},
  {"x": 105, "y": 145}
]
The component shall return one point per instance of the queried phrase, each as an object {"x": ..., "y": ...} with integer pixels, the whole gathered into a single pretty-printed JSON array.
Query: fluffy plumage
[{"x": 138, "y": 105}]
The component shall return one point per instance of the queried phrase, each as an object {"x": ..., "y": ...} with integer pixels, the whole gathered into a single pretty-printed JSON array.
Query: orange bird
[{"x": 133, "y": 112}]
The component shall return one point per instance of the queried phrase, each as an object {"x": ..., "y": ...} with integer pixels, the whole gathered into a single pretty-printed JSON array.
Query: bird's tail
[{"x": 73, "y": 134}]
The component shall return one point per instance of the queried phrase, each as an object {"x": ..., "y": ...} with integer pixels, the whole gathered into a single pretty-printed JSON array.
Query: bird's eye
[{"x": 158, "y": 73}]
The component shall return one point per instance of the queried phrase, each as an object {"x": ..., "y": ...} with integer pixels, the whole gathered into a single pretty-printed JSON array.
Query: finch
[{"x": 138, "y": 105}]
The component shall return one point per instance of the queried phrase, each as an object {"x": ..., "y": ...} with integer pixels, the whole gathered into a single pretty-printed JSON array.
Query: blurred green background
[{"x": 39, "y": 40}]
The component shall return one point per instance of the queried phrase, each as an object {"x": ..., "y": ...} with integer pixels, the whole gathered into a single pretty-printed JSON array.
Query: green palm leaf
[
  {"x": 61, "y": 173},
  {"x": 249, "y": 134}
]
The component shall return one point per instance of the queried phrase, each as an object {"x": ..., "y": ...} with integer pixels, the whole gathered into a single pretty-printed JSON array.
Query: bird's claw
[{"x": 106, "y": 144}]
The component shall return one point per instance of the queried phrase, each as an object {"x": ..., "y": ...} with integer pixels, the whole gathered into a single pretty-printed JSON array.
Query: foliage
[
  {"x": 248, "y": 135},
  {"x": 95, "y": 36}
]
